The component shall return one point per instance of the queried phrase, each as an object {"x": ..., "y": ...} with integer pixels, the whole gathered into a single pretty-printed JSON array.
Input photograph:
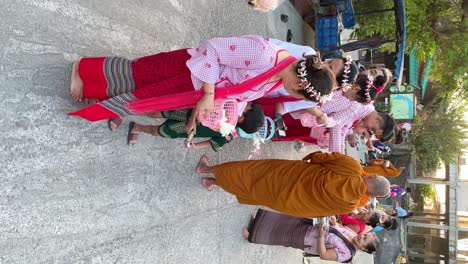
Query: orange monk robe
[
  {"x": 381, "y": 170},
  {"x": 329, "y": 184}
]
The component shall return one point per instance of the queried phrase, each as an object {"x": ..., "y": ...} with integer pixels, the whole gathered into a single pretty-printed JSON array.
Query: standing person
[
  {"x": 242, "y": 68},
  {"x": 176, "y": 122},
  {"x": 339, "y": 244},
  {"x": 321, "y": 184}
]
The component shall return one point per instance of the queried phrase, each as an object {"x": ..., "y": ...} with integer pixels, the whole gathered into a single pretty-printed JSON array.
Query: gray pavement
[{"x": 71, "y": 191}]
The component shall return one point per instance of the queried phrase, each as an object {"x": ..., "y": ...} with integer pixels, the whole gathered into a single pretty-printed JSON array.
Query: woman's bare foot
[
  {"x": 245, "y": 233},
  {"x": 208, "y": 183},
  {"x": 76, "y": 84},
  {"x": 202, "y": 164}
]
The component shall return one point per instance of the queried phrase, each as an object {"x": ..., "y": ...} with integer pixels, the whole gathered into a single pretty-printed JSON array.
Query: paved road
[{"x": 72, "y": 192}]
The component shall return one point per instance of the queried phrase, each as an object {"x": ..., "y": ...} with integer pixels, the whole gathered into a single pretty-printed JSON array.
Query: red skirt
[{"x": 115, "y": 81}]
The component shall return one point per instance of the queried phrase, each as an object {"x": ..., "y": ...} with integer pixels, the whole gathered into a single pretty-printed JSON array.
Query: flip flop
[
  {"x": 131, "y": 136},
  {"x": 117, "y": 121}
]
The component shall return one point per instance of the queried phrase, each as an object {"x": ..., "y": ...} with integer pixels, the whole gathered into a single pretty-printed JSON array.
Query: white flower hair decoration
[
  {"x": 345, "y": 85},
  {"x": 302, "y": 74},
  {"x": 369, "y": 85}
]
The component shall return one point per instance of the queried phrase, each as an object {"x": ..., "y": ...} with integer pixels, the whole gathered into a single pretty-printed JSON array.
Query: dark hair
[
  {"x": 400, "y": 135},
  {"x": 408, "y": 214},
  {"x": 372, "y": 246},
  {"x": 362, "y": 80},
  {"x": 353, "y": 72},
  {"x": 319, "y": 76},
  {"x": 254, "y": 119},
  {"x": 395, "y": 213},
  {"x": 379, "y": 80},
  {"x": 394, "y": 224},
  {"x": 374, "y": 220},
  {"x": 388, "y": 126}
]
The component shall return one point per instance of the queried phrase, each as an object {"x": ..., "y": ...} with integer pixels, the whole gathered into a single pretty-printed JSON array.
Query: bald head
[{"x": 377, "y": 186}]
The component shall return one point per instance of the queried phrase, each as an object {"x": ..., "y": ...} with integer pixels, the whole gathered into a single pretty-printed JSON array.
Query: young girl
[
  {"x": 177, "y": 121},
  {"x": 346, "y": 108}
]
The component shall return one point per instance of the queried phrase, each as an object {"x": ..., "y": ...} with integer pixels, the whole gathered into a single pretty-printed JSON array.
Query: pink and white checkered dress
[{"x": 229, "y": 61}]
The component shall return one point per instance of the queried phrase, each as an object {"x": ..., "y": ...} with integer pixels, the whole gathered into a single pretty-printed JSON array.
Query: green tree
[
  {"x": 438, "y": 134},
  {"x": 435, "y": 27}
]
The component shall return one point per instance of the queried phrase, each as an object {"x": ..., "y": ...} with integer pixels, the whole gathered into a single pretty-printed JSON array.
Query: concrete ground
[{"x": 72, "y": 191}]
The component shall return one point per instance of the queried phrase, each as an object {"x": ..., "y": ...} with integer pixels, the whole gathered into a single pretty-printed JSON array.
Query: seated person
[
  {"x": 357, "y": 222},
  {"x": 387, "y": 222},
  {"x": 175, "y": 126}
]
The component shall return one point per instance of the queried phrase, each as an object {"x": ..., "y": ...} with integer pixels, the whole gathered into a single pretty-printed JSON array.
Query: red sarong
[{"x": 116, "y": 81}]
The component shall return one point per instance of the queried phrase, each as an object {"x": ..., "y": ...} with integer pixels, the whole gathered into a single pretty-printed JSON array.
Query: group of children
[{"x": 328, "y": 119}]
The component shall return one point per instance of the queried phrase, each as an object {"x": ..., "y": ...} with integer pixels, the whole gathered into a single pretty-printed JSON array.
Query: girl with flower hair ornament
[
  {"x": 347, "y": 107},
  {"x": 346, "y": 72}
]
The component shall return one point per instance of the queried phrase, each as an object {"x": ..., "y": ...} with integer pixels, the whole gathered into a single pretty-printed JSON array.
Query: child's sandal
[
  {"x": 132, "y": 138},
  {"x": 114, "y": 123}
]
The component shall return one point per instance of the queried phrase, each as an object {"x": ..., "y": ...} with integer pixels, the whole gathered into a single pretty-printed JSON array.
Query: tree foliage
[
  {"x": 439, "y": 134},
  {"x": 435, "y": 27}
]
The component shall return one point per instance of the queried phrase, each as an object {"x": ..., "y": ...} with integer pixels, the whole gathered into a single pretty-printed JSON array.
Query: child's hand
[
  {"x": 191, "y": 127},
  {"x": 320, "y": 229},
  {"x": 351, "y": 140},
  {"x": 205, "y": 105},
  {"x": 323, "y": 119}
]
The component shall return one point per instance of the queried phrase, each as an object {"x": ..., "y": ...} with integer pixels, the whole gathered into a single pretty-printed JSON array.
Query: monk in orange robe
[
  {"x": 322, "y": 184},
  {"x": 378, "y": 167}
]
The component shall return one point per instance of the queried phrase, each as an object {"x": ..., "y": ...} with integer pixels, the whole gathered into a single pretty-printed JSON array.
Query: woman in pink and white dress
[{"x": 241, "y": 68}]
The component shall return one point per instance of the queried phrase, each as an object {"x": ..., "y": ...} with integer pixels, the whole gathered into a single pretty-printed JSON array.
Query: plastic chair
[{"x": 266, "y": 132}]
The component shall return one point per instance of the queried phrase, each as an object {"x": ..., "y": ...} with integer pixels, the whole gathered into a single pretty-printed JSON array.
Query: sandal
[
  {"x": 114, "y": 121},
  {"x": 131, "y": 136}
]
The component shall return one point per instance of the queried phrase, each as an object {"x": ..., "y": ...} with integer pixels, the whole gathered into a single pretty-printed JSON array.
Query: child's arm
[
  {"x": 322, "y": 117},
  {"x": 279, "y": 108},
  {"x": 200, "y": 145},
  {"x": 191, "y": 127}
]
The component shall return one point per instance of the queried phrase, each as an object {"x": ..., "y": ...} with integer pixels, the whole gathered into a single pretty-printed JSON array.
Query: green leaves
[{"x": 439, "y": 133}]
